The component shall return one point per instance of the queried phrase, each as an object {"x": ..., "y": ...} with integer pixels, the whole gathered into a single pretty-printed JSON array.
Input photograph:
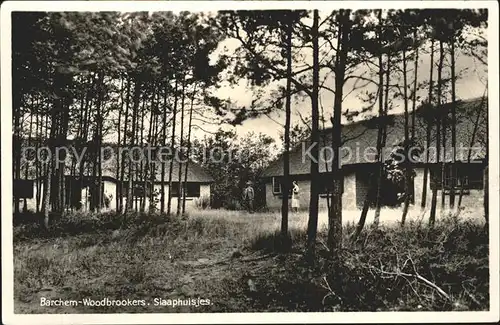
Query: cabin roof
[
  {"x": 195, "y": 173},
  {"x": 359, "y": 139}
]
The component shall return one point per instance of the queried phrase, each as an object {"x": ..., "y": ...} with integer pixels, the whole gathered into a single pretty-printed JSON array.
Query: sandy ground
[{"x": 299, "y": 220}]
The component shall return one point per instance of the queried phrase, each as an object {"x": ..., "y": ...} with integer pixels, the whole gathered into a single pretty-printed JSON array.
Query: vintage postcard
[{"x": 249, "y": 162}]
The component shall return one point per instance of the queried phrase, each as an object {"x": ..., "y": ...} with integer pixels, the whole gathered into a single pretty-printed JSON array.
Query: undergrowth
[
  {"x": 389, "y": 268},
  {"x": 135, "y": 225}
]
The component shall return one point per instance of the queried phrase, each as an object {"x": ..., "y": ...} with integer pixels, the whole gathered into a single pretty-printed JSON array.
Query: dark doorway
[
  {"x": 93, "y": 195},
  {"x": 367, "y": 179},
  {"x": 366, "y": 185},
  {"x": 73, "y": 189}
]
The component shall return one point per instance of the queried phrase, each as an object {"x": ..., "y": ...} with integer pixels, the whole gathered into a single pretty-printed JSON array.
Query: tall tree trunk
[
  {"x": 46, "y": 165},
  {"x": 444, "y": 164},
  {"x": 190, "y": 122},
  {"x": 435, "y": 174},
  {"x": 78, "y": 145},
  {"x": 139, "y": 175},
  {"x": 453, "y": 121},
  {"x": 423, "y": 203},
  {"x": 376, "y": 219},
  {"x": 63, "y": 141},
  {"x": 153, "y": 166},
  {"x": 26, "y": 172},
  {"x": 46, "y": 194},
  {"x": 83, "y": 144},
  {"x": 95, "y": 163},
  {"x": 99, "y": 141},
  {"x": 366, "y": 204},
  {"x": 16, "y": 109},
  {"x": 144, "y": 164},
  {"x": 172, "y": 148},
  {"x": 406, "y": 163},
  {"x": 135, "y": 109},
  {"x": 72, "y": 185},
  {"x": 181, "y": 150},
  {"x": 118, "y": 192},
  {"x": 312, "y": 227},
  {"x": 84, "y": 134},
  {"x": 154, "y": 143},
  {"x": 164, "y": 143},
  {"x": 61, "y": 83},
  {"x": 38, "y": 135},
  {"x": 54, "y": 177},
  {"x": 364, "y": 210},
  {"x": 444, "y": 136},
  {"x": 471, "y": 145},
  {"x": 122, "y": 172},
  {"x": 81, "y": 113},
  {"x": 286, "y": 154},
  {"x": 334, "y": 241},
  {"x": 414, "y": 97},
  {"x": 46, "y": 207},
  {"x": 148, "y": 186}
]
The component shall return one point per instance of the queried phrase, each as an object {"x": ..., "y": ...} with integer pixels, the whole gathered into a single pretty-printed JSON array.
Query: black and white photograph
[{"x": 249, "y": 161}]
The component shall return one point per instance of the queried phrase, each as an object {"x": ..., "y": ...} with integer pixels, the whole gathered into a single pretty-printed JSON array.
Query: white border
[{"x": 8, "y": 316}]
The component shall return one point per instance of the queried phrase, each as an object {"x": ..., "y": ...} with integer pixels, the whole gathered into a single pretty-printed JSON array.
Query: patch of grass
[
  {"x": 86, "y": 255},
  {"x": 125, "y": 255},
  {"x": 274, "y": 242}
]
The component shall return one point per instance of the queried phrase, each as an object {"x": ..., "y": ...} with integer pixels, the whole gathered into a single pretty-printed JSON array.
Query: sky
[{"x": 470, "y": 84}]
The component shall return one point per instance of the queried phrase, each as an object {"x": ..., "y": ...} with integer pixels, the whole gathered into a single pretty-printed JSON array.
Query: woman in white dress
[{"x": 295, "y": 199}]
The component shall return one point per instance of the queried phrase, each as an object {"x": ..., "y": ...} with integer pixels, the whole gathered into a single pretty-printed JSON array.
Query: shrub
[
  {"x": 77, "y": 223},
  {"x": 233, "y": 205},
  {"x": 390, "y": 268},
  {"x": 203, "y": 202}
]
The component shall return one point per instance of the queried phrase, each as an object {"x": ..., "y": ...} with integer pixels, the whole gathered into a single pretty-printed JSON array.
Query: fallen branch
[
  {"x": 330, "y": 293},
  {"x": 433, "y": 285},
  {"x": 324, "y": 245},
  {"x": 417, "y": 276}
]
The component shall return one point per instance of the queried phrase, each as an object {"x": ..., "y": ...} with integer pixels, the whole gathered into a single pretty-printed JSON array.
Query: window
[
  {"x": 455, "y": 177},
  {"x": 474, "y": 175},
  {"x": 138, "y": 189},
  {"x": 124, "y": 188},
  {"x": 191, "y": 189},
  {"x": 141, "y": 188},
  {"x": 276, "y": 185},
  {"x": 458, "y": 176},
  {"x": 326, "y": 185},
  {"x": 23, "y": 189},
  {"x": 450, "y": 176}
]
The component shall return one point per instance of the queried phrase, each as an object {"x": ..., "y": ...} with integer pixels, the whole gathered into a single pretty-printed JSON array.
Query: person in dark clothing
[{"x": 248, "y": 196}]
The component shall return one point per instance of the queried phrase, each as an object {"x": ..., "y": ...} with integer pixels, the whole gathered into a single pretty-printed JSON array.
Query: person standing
[
  {"x": 295, "y": 199},
  {"x": 248, "y": 196}
]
